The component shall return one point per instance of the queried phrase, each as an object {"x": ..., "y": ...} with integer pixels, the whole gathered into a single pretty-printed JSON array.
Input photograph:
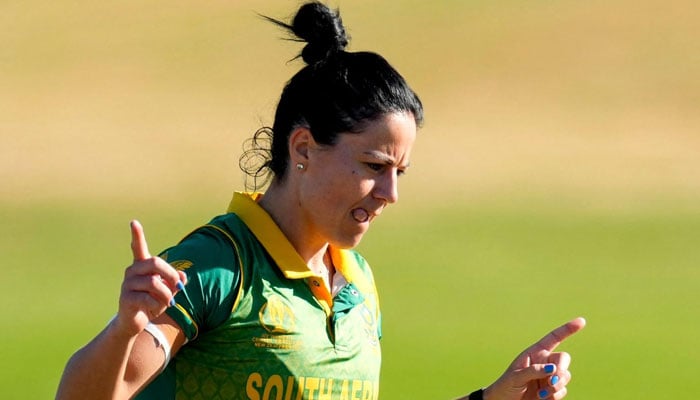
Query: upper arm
[
  {"x": 212, "y": 266},
  {"x": 147, "y": 358}
]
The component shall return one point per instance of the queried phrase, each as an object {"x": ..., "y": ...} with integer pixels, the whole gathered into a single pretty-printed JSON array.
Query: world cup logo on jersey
[
  {"x": 276, "y": 316},
  {"x": 370, "y": 321}
]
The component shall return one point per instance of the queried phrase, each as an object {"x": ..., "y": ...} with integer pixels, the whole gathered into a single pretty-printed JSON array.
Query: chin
[{"x": 348, "y": 242}]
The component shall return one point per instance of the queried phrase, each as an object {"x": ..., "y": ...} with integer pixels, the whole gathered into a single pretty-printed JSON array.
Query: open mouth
[{"x": 360, "y": 215}]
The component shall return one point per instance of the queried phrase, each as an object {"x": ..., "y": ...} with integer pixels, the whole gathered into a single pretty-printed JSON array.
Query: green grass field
[
  {"x": 463, "y": 291},
  {"x": 557, "y": 175}
]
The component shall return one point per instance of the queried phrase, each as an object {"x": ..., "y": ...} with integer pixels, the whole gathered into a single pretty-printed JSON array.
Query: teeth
[{"x": 360, "y": 215}]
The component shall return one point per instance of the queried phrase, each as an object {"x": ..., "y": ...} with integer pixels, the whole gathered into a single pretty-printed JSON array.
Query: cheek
[
  {"x": 342, "y": 191},
  {"x": 339, "y": 186},
  {"x": 331, "y": 189}
]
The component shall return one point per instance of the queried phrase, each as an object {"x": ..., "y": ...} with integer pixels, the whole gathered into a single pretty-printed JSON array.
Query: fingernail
[
  {"x": 172, "y": 302},
  {"x": 549, "y": 368},
  {"x": 543, "y": 393},
  {"x": 554, "y": 380},
  {"x": 180, "y": 285}
]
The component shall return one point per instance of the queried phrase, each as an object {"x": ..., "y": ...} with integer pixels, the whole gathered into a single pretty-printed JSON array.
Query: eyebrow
[{"x": 387, "y": 159}]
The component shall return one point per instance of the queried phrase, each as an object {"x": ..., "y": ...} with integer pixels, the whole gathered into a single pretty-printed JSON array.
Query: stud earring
[{"x": 300, "y": 166}]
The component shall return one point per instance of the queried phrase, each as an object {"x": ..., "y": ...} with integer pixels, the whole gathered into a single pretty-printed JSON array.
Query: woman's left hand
[{"x": 538, "y": 372}]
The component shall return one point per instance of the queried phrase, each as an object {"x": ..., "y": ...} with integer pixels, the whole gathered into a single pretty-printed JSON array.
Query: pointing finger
[
  {"x": 553, "y": 338},
  {"x": 139, "y": 247}
]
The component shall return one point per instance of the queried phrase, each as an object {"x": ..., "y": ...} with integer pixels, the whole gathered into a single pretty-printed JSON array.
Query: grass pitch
[
  {"x": 557, "y": 175},
  {"x": 462, "y": 293}
]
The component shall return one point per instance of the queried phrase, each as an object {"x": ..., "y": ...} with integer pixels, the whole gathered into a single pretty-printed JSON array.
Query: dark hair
[{"x": 336, "y": 92}]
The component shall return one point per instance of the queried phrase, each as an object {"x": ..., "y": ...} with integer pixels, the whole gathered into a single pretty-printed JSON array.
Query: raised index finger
[
  {"x": 553, "y": 338},
  {"x": 139, "y": 248}
]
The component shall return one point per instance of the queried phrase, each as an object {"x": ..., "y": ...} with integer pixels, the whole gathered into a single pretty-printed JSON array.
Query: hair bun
[{"x": 322, "y": 30}]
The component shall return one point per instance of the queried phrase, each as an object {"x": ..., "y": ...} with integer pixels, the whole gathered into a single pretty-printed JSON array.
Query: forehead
[{"x": 392, "y": 135}]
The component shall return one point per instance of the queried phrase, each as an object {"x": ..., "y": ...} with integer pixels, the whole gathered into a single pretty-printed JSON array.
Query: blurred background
[{"x": 557, "y": 175}]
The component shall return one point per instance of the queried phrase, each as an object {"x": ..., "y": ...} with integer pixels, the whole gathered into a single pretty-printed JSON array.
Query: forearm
[{"x": 97, "y": 371}]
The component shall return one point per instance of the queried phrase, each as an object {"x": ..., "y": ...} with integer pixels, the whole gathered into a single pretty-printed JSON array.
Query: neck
[{"x": 285, "y": 211}]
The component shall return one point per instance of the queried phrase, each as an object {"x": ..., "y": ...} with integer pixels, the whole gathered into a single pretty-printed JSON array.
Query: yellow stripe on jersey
[{"x": 240, "y": 263}]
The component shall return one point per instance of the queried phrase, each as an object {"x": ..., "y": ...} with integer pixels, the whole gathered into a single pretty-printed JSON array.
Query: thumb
[
  {"x": 526, "y": 375},
  {"x": 139, "y": 247}
]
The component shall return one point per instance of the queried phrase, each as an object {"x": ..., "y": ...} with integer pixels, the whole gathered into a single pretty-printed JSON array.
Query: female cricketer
[{"x": 269, "y": 300}]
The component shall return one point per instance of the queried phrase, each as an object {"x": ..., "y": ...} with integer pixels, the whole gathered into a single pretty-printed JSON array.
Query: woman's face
[{"x": 345, "y": 186}]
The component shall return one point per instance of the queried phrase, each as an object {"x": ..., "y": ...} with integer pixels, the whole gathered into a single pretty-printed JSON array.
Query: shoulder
[
  {"x": 210, "y": 257},
  {"x": 209, "y": 244},
  {"x": 362, "y": 263}
]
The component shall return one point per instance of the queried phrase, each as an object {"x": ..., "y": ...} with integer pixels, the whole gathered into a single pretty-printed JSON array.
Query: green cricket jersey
[{"x": 260, "y": 325}]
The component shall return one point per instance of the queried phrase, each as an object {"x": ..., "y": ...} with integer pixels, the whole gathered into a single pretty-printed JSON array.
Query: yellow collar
[{"x": 246, "y": 206}]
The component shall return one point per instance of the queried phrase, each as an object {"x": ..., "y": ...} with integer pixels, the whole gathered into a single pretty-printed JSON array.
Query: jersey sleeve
[{"x": 213, "y": 275}]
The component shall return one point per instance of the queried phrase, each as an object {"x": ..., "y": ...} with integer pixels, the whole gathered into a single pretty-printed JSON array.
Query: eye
[
  {"x": 400, "y": 172},
  {"x": 375, "y": 166}
]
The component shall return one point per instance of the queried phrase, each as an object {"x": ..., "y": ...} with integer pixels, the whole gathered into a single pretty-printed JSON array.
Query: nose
[{"x": 387, "y": 187}]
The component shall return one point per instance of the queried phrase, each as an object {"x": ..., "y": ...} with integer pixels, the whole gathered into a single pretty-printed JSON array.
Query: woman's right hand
[
  {"x": 148, "y": 287},
  {"x": 119, "y": 361}
]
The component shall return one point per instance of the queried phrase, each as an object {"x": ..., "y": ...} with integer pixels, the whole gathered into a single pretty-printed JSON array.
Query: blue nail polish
[
  {"x": 180, "y": 286},
  {"x": 172, "y": 302},
  {"x": 549, "y": 368},
  {"x": 543, "y": 393},
  {"x": 554, "y": 380}
]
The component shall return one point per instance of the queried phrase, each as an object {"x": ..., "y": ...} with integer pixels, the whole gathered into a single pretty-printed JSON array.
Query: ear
[{"x": 299, "y": 142}]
